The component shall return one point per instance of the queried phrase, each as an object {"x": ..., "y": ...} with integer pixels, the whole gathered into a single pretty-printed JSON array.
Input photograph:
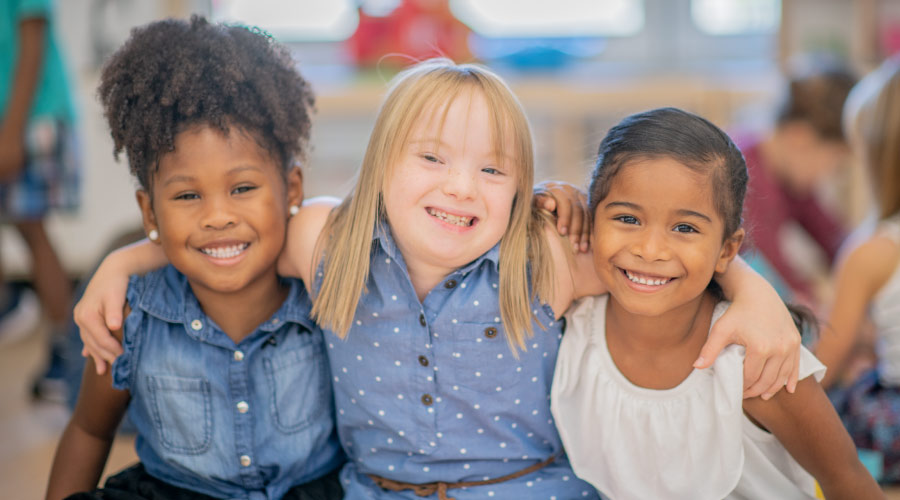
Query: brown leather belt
[{"x": 439, "y": 487}]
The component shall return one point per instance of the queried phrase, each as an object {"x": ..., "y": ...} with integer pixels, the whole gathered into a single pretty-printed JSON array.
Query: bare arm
[
  {"x": 304, "y": 229},
  {"x": 858, "y": 278},
  {"x": 811, "y": 431},
  {"x": 100, "y": 309},
  {"x": 758, "y": 320},
  {"x": 573, "y": 273},
  {"x": 84, "y": 447},
  {"x": 32, "y": 33}
]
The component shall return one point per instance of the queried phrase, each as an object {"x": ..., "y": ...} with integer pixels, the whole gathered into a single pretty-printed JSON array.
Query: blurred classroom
[{"x": 578, "y": 67}]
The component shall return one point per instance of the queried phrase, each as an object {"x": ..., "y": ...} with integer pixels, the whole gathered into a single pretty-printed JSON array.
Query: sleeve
[
  {"x": 124, "y": 367},
  {"x": 810, "y": 365}
]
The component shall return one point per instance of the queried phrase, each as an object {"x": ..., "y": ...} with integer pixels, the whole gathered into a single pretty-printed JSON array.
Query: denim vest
[
  {"x": 246, "y": 420},
  {"x": 430, "y": 391}
]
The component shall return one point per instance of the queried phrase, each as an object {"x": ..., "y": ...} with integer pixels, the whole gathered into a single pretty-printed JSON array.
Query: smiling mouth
[
  {"x": 226, "y": 252},
  {"x": 646, "y": 279},
  {"x": 456, "y": 220}
]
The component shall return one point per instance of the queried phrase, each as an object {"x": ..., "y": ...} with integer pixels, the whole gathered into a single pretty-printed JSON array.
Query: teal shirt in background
[{"x": 52, "y": 98}]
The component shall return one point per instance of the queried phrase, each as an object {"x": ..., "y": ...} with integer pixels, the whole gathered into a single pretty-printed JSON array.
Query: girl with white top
[
  {"x": 636, "y": 418},
  {"x": 867, "y": 282}
]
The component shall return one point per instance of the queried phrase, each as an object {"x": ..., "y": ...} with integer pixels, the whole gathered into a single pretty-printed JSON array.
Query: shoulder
[
  {"x": 871, "y": 263},
  {"x": 573, "y": 273},
  {"x": 304, "y": 230}
]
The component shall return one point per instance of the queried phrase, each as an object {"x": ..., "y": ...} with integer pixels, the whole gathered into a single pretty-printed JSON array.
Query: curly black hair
[{"x": 174, "y": 74}]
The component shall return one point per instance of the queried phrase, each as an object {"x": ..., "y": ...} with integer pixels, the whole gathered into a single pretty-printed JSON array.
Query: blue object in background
[{"x": 535, "y": 54}]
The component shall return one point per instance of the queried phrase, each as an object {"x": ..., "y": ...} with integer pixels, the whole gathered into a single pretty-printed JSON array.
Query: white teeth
[
  {"x": 457, "y": 220},
  {"x": 645, "y": 281},
  {"x": 225, "y": 252}
]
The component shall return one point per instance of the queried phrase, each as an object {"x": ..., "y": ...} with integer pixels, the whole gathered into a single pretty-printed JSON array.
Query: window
[
  {"x": 736, "y": 17},
  {"x": 294, "y": 20},
  {"x": 559, "y": 18}
]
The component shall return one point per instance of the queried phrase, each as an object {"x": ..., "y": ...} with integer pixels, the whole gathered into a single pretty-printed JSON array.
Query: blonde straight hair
[
  {"x": 420, "y": 92},
  {"x": 882, "y": 138}
]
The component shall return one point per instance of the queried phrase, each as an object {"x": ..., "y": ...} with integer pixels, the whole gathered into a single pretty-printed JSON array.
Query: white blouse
[{"x": 692, "y": 441}]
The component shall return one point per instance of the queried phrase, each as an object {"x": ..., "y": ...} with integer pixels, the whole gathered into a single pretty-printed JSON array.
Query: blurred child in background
[
  {"x": 39, "y": 171},
  {"x": 786, "y": 167},
  {"x": 867, "y": 283}
]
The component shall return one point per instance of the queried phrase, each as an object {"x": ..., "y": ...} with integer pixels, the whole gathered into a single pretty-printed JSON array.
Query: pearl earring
[
  {"x": 294, "y": 209},
  {"x": 153, "y": 235}
]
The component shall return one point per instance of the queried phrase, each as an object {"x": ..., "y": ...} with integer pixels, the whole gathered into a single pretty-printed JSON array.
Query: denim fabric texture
[{"x": 246, "y": 420}]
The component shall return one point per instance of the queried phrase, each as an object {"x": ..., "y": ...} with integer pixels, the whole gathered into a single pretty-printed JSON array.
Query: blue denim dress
[
  {"x": 430, "y": 391},
  {"x": 247, "y": 420}
]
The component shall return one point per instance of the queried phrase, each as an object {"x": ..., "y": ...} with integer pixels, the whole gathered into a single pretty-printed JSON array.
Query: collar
[
  {"x": 383, "y": 237},
  {"x": 167, "y": 295}
]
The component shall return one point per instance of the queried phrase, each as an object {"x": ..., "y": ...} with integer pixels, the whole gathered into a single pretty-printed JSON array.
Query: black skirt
[{"x": 134, "y": 483}]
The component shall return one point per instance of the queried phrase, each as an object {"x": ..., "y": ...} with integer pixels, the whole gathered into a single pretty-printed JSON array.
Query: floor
[{"x": 29, "y": 430}]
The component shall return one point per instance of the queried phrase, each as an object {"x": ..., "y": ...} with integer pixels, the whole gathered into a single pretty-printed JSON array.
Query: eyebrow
[
  {"x": 188, "y": 178},
  {"x": 441, "y": 144},
  {"x": 682, "y": 212}
]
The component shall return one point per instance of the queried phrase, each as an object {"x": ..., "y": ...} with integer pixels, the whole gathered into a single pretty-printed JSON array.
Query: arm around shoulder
[
  {"x": 573, "y": 272},
  {"x": 759, "y": 320},
  {"x": 304, "y": 229}
]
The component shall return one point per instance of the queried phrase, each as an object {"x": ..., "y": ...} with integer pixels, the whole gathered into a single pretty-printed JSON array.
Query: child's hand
[
  {"x": 569, "y": 204},
  {"x": 772, "y": 344},
  {"x": 758, "y": 320},
  {"x": 99, "y": 311}
]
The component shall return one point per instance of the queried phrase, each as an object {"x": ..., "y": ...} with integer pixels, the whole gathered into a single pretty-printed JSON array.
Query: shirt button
[
  {"x": 238, "y": 356},
  {"x": 196, "y": 324},
  {"x": 426, "y": 399},
  {"x": 423, "y": 361},
  {"x": 422, "y": 320},
  {"x": 245, "y": 460},
  {"x": 450, "y": 284},
  {"x": 490, "y": 332},
  {"x": 243, "y": 407}
]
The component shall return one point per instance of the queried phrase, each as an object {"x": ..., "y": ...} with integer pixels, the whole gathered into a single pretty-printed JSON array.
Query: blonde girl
[{"x": 441, "y": 291}]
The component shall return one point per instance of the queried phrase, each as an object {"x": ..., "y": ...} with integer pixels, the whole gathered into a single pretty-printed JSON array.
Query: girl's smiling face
[
  {"x": 658, "y": 238},
  {"x": 449, "y": 194},
  {"x": 220, "y": 205}
]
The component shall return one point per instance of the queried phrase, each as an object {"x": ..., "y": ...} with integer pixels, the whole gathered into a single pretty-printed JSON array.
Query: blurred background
[{"x": 578, "y": 66}]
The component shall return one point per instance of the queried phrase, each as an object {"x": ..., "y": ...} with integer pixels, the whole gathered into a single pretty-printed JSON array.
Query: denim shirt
[
  {"x": 246, "y": 420},
  {"x": 430, "y": 391}
]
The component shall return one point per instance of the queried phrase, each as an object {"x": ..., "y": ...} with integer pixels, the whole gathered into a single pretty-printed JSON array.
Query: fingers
[
  {"x": 586, "y": 226},
  {"x": 98, "y": 342},
  {"x": 99, "y": 363},
  {"x": 794, "y": 376},
  {"x": 767, "y": 383},
  {"x": 563, "y": 216},
  {"x": 113, "y": 318},
  {"x": 718, "y": 339}
]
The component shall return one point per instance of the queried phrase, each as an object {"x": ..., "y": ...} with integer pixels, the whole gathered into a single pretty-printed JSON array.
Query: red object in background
[
  {"x": 890, "y": 39},
  {"x": 416, "y": 30}
]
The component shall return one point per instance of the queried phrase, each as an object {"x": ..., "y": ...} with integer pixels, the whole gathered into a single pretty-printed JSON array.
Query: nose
[
  {"x": 651, "y": 245},
  {"x": 218, "y": 213},
  {"x": 460, "y": 182}
]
